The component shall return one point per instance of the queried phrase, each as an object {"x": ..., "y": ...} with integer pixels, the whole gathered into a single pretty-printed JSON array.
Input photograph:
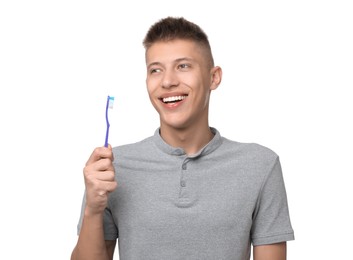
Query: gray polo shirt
[{"x": 211, "y": 205}]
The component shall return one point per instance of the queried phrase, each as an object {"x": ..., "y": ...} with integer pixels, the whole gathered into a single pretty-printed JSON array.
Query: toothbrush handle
[
  {"x": 106, "y": 136},
  {"x": 108, "y": 125}
]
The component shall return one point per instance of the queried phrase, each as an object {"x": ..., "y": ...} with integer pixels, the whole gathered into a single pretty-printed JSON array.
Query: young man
[{"x": 185, "y": 192}]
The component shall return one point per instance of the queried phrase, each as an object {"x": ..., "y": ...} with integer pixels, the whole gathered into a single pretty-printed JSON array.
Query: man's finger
[
  {"x": 105, "y": 176},
  {"x": 99, "y": 153},
  {"x": 106, "y": 187}
]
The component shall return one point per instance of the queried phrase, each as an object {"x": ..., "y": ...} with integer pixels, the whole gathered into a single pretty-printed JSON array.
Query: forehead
[{"x": 166, "y": 51}]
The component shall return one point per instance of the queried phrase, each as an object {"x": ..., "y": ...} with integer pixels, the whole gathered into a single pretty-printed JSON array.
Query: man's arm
[
  {"x": 271, "y": 252},
  {"x": 110, "y": 244},
  {"x": 99, "y": 181},
  {"x": 91, "y": 243}
]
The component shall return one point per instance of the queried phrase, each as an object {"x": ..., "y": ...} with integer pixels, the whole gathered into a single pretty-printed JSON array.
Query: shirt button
[
  {"x": 182, "y": 183},
  {"x": 184, "y": 166}
]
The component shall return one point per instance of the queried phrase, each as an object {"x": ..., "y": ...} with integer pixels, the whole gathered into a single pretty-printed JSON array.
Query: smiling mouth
[{"x": 173, "y": 99}]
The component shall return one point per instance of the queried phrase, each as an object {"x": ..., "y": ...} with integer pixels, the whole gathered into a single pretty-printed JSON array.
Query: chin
[{"x": 174, "y": 124}]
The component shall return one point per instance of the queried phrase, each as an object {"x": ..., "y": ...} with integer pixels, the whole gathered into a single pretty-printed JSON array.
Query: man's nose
[{"x": 170, "y": 79}]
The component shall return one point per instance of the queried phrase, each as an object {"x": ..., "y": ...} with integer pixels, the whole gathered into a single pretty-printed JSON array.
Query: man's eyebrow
[
  {"x": 183, "y": 59},
  {"x": 157, "y": 63},
  {"x": 153, "y": 64}
]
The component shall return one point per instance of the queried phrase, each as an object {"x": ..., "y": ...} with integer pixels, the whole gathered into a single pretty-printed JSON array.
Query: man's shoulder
[
  {"x": 254, "y": 159},
  {"x": 249, "y": 149}
]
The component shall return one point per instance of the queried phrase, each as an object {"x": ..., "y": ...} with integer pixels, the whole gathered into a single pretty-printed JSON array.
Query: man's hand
[{"x": 99, "y": 177}]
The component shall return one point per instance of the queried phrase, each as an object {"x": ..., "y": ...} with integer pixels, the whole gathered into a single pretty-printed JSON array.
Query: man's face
[{"x": 179, "y": 82}]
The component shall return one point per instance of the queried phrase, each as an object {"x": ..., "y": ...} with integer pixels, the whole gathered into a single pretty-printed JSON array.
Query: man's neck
[{"x": 190, "y": 139}]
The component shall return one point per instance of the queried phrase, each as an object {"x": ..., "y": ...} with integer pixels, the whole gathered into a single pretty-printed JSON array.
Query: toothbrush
[{"x": 110, "y": 102}]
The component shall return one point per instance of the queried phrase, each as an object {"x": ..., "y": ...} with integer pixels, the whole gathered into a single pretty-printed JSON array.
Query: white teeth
[{"x": 173, "y": 99}]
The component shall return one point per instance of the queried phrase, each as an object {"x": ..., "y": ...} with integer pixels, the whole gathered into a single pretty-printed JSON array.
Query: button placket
[
  {"x": 184, "y": 167},
  {"x": 183, "y": 181}
]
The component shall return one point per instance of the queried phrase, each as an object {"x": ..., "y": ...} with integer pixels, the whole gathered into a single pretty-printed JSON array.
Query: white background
[{"x": 288, "y": 75}]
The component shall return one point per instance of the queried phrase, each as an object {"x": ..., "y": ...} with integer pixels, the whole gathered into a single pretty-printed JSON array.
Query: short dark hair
[{"x": 172, "y": 28}]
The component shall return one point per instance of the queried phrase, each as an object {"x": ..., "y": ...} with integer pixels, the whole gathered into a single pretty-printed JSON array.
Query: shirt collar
[{"x": 208, "y": 148}]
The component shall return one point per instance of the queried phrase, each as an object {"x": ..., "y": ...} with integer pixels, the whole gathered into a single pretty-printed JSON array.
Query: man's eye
[
  {"x": 183, "y": 66},
  {"x": 155, "y": 71}
]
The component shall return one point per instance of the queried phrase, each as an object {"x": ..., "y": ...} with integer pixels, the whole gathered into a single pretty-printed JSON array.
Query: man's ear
[{"x": 216, "y": 77}]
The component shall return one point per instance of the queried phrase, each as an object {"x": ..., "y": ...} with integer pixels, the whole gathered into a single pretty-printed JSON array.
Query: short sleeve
[
  {"x": 79, "y": 225},
  {"x": 271, "y": 221},
  {"x": 110, "y": 228}
]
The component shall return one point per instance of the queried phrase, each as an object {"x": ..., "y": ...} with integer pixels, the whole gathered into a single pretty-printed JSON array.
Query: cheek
[
  {"x": 150, "y": 86},
  {"x": 153, "y": 81},
  {"x": 203, "y": 96},
  {"x": 151, "y": 89}
]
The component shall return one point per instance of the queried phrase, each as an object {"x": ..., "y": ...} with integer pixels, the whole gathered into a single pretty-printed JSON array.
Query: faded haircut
[{"x": 173, "y": 28}]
